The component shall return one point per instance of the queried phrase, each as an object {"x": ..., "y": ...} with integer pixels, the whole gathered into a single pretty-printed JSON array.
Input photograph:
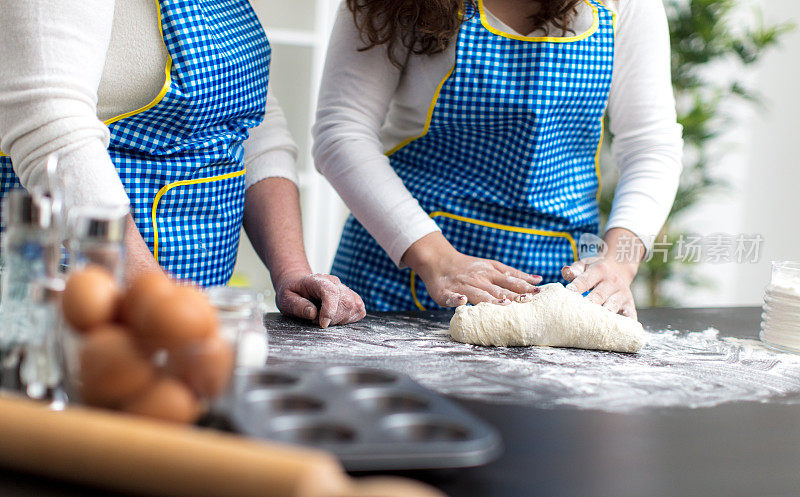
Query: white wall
[
  {"x": 771, "y": 197},
  {"x": 761, "y": 164},
  {"x": 758, "y": 158}
]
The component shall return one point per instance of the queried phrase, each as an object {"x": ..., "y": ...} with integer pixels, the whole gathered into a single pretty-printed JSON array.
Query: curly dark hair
[{"x": 427, "y": 26}]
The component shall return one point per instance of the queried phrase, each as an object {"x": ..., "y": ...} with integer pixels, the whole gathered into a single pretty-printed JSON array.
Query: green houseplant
[{"x": 702, "y": 37}]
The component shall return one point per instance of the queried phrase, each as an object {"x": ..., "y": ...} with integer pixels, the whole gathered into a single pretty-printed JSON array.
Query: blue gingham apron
[
  {"x": 508, "y": 165},
  {"x": 182, "y": 160}
]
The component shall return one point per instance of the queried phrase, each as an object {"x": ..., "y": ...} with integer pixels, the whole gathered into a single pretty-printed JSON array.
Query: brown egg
[
  {"x": 167, "y": 399},
  {"x": 91, "y": 298},
  {"x": 113, "y": 370},
  {"x": 205, "y": 365},
  {"x": 144, "y": 291},
  {"x": 181, "y": 316}
]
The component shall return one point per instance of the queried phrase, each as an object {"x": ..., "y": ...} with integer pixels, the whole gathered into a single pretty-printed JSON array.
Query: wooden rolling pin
[{"x": 126, "y": 454}]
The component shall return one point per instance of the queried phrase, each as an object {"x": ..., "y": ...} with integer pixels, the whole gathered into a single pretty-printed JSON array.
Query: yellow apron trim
[
  {"x": 239, "y": 280},
  {"x": 429, "y": 118},
  {"x": 548, "y": 39},
  {"x": 164, "y": 88},
  {"x": 503, "y": 227},
  {"x": 169, "y": 187},
  {"x": 167, "y": 79}
]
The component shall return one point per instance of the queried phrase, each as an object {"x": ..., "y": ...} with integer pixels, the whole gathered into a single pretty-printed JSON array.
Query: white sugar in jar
[{"x": 780, "y": 319}]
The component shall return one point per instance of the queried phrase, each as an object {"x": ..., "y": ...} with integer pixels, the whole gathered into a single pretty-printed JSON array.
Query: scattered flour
[{"x": 674, "y": 369}]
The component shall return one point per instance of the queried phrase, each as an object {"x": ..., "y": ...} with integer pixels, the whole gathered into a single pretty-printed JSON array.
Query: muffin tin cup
[{"x": 371, "y": 419}]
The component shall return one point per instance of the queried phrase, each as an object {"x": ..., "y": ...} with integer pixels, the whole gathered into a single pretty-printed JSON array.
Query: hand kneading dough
[{"x": 555, "y": 317}]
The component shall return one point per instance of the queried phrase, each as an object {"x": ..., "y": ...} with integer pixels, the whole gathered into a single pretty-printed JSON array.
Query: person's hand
[
  {"x": 321, "y": 298},
  {"x": 454, "y": 279},
  {"x": 608, "y": 277},
  {"x": 608, "y": 283}
]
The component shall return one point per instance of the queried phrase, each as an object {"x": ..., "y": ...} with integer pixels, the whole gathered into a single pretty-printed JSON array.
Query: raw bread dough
[{"x": 555, "y": 317}]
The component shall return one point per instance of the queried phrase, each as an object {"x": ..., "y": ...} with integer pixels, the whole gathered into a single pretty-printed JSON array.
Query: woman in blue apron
[
  {"x": 181, "y": 155},
  {"x": 468, "y": 151}
]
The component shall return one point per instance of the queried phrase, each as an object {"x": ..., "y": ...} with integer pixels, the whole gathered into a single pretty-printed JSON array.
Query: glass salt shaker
[
  {"x": 41, "y": 371},
  {"x": 97, "y": 236},
  {"x": 31, "y": 286}
]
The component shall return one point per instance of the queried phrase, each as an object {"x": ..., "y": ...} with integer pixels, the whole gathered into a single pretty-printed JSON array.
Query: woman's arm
[
  {"x": 647, "y": 145},
  {"x": 52, "y": 54},
  {"x": 648, "y": 150},
  {"x": 357, "y": 89},
  {"x": 273, "y": 223}
]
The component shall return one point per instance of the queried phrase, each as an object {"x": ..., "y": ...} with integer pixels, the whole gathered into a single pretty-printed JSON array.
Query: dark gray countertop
[{"x": 733, "y": 449}]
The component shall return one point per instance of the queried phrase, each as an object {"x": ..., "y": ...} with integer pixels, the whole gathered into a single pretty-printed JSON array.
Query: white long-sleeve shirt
[
  {"x": 367, "y": 106},
  {"x": 68, "y": 65}
]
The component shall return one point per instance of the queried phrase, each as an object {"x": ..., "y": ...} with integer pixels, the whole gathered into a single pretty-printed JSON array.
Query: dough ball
[{"x": 554, "y": 317}]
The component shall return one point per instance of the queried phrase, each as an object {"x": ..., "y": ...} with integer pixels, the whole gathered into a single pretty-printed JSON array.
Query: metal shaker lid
[
  {"x": 231, "y": 299},
  {"x": 21, "y": 208},
  {"x": 99, "y": 223}
]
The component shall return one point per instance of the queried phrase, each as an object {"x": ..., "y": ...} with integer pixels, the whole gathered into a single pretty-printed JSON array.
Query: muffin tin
[{"x": 371, "y": 419}]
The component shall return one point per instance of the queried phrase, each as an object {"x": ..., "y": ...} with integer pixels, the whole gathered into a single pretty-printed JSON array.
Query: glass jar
[
  {"x": 31, "y": 289},
  {"x": 780, "y": 325},
  {"x": 97, "y": 236},
  {"x": 241, "y": 320}
]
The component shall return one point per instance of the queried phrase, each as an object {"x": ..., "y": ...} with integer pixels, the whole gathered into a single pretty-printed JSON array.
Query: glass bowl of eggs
[{"x": 154, "y": 348}]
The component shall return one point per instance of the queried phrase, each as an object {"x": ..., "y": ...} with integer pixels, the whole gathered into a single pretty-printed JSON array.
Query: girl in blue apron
[
  {"x": 181, "y": 160},
  {"x": 495, "y": 191}
]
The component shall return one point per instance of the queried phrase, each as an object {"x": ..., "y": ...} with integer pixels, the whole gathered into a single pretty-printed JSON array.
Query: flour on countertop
[{"x": 675, "y": 369}]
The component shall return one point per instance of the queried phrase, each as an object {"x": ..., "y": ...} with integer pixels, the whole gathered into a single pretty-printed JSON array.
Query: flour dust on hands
[
  {"x": 321, "y": 298},
  {"x": 607, "y": 281},
  {"x": 465, "y": 279}
]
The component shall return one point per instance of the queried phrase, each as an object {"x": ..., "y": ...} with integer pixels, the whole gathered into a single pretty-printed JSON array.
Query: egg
[
  {"x": 205, "y": 365},
  {"x": 145, "y": 290},
  {"x": 113, "y": 370},
  {"x": 91, "y": 297},
  {"x": 181, "y": 316},
  {"x": 167, "y": 399}
]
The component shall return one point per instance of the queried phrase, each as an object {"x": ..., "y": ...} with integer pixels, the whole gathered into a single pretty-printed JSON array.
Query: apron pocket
[{"x": 196, "y": 226}]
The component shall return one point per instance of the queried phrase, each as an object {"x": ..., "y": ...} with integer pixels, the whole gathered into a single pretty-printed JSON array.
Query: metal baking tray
[{"x": 371, "y": 419}]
